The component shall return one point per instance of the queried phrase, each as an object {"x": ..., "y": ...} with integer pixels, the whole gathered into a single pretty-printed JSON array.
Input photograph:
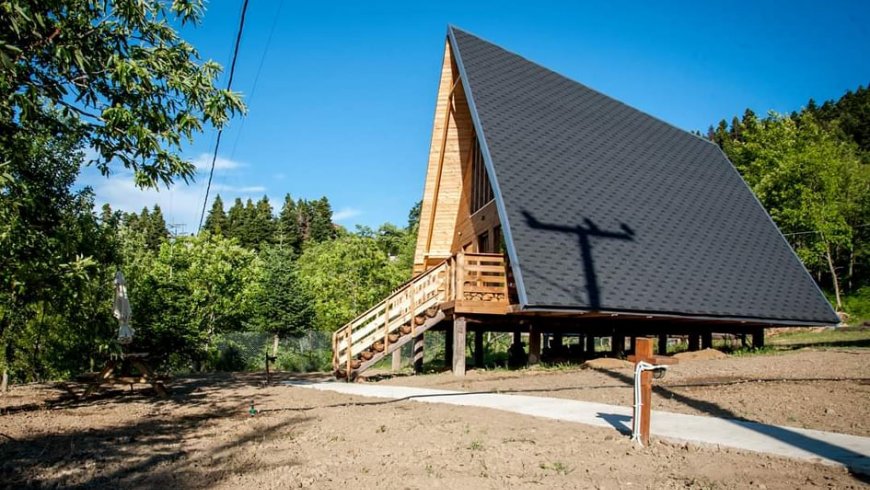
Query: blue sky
[{"x": 343, "y": 103}]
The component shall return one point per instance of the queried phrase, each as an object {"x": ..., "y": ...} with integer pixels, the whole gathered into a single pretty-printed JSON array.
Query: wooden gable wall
[{"x": 450, "y": 148}]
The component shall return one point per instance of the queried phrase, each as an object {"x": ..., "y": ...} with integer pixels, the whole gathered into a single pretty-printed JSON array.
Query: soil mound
[
  {"x": 608, "y": 363},
  {"x": 700, "y": 355}
]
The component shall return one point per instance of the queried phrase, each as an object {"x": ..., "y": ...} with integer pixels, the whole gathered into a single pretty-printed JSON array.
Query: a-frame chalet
[{"x": 552, "y": 209}]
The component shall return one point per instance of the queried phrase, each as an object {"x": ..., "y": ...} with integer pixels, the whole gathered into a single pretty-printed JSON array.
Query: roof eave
[{"x": 651, "y": 315}]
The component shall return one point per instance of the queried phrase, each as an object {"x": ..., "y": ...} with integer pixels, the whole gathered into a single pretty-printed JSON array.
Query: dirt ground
[
  {"x": 204, "y": 436},
  {"x": 825, "y": 389}
]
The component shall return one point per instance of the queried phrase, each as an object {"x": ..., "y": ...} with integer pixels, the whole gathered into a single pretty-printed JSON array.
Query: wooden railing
[
  {"x": 388, "y": 319},
  {"x": 466, "y": 283}
]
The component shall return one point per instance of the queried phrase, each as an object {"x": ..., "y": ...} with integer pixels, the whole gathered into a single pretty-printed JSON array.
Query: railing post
[
  {"x": 335, "y": 350},
  {"x": 413, "y": 301},
  {"x": 460, "y": 276},
  {"x": 386, "y": 325},
  {"x": 348, "y": 335}
]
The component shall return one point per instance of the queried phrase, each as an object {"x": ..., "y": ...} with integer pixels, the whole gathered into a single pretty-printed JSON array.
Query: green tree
[
  {"x": 812, "y": 184},
  {"x": 216, "y": 222},
  {"x": 346, "y": 276},
  {"x": 193, "y": 289},
  {"x": 115, "y": 74},
  {"x": 263, "y": 224},
  {"x": 235, "y": 219},
  {"x": 282, "y": 307},
  {"x": 156, "y": 232},
  {"x": 289, "y": 232},
  {"x": 320, "y": 227},
  {"x": 55, "y": 257}
]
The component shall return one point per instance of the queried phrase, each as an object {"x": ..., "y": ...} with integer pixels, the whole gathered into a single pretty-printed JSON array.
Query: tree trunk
[
  {"x": 275, "y": 340},
  {"x": 4, "y": 382},
  {"x": 834, "y": 276},
  {"x": 851, "y": 266}
]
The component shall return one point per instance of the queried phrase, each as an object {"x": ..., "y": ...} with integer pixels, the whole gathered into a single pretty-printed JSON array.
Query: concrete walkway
[{"x": 852, "y": 452}]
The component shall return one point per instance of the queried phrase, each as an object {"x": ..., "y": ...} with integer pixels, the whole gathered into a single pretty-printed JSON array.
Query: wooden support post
[
  {"x": 534, "y": 346},
  {"x": 418, "y": 353},
  {"x": 448, "y": 346},
  {"x": 632, "y": 344},
  {"x": 397, "y": 360},
  {"x": 518, "y": 337},
  {"x": 758, "y": 338},
  {"x": 663, "y": 344},
  {"x": 478, "y": 348},
  {"x": 556, "y": 342},
  {"x": 694, "y": 340},
  {"x": 707, "y": 340},
  {"x": 459, "y": 331},
  {"x": 590, "y": 345},
  {"x": 617, "y": 345}
]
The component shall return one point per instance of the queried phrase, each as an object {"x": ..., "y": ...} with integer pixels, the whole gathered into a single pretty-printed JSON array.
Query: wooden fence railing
[{"x": 471, "y": 282}]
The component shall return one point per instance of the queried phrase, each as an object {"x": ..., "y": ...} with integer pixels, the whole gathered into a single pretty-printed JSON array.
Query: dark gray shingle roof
[{"x": 607, "y": 208}]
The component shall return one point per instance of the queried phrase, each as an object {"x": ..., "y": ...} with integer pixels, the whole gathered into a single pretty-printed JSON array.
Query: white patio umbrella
[{"x": 122, "y": 310}]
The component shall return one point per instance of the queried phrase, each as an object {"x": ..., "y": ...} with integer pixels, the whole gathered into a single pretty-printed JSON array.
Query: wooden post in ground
[
  {"x": 448, "y": 346},
  {"x": 694, "y": 340},
  {"x": 644, "y": 353},
  {"x": 417, "y": 355},
  {"x": 534, "y": 346},
  {"x": 617, "y": 345},
  {"x": 758, "y": 338},
  {"x": 632, "y": 344},
  {"x": 707, "y": 340},
  {"x": 478, "y": 348},
  {"x": 590, "y": 345},
  {"x": 459, "y": 332},
  {"x": 397, "y": 360},
  {"x": 663, "y": 344}
]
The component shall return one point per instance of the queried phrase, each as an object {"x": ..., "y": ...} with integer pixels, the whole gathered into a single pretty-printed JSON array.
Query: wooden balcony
[{"x": 477, "y": 283}]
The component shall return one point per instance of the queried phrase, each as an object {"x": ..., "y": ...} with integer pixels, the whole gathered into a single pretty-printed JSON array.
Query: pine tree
[
  {"x": 262, "y": 224},
  {"x": 303, "y": 208},
  {"x": 156, "y": 232},
  {"x": 288, "y": 230},
  {"x": 321, "y": 228},
  {"x": 216, "y": 222},
  {"x": 235, "y": 217}
]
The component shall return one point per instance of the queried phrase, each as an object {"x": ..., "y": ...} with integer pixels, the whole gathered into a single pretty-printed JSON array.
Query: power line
[
  {"x": 220, "y": 130},
  {"x": 250, "y": 97},
  {"x": 812, "y": 232}
]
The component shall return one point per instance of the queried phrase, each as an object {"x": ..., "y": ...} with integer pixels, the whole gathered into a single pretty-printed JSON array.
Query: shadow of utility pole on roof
[{"x": 585, "y": 233}]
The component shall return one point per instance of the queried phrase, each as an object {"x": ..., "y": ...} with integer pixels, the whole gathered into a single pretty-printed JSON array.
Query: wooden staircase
[
  {"x": 409, "y": 311},
  {"x": 470, "y": 283}
]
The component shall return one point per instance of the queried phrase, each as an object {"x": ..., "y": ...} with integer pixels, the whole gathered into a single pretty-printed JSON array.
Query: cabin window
[
  {"x": 481, "y": 191},
  {"x": 497, "y": 244},
  {"x": 483, "y": 243}
]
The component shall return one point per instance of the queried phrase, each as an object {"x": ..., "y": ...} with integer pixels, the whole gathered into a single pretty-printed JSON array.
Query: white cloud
[
  {"x": 251, "y": 189},
  {"x": 203, "y": 163},
  {"x": 181, "y": 204},
  {"x": 345, "y": 214}
]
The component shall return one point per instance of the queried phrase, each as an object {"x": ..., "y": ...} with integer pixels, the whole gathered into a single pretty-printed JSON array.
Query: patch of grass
[
  {"x": 381, "y": 429},
  {"x": 557, "y": 467},
  {"x": 476, "y": 446},
  {"x": 829, "y": 337},
  {"x": 752, "y": 351}
]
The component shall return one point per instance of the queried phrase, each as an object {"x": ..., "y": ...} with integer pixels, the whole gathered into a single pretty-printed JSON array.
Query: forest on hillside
[{"x": 274, "y": 273}]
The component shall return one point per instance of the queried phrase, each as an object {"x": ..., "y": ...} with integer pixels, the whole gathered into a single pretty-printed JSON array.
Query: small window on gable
[{"x": 481, "y": 191}]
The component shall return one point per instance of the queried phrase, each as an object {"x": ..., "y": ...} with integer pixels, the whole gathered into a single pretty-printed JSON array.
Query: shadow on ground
[{"x": 165, "y": 446}]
